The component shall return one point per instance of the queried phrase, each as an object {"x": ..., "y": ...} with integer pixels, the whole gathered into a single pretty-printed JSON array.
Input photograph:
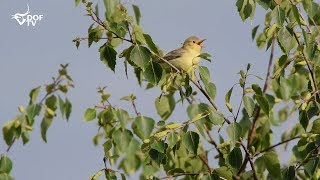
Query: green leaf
[
  {"x": 234, "y": 159},
  {"x": 142, "y": 126},
  {"x": 137, "y": 33},
  {"x": 5, "y": 176},
  {"x": 165, "y": 106},
  {"x": 5, "y": 164},
  {"x": 137, "y": 13},
  {"x": 279, "y": 15},
  {"x": 216, "y": 118},
  {"x": 25, "y": 137},
  {"x": 77, "y": 2},
  {"x": 285, "y": 40},
  {"x": 52, "y": 102},
  {"x": 122, "y": 139},
  {"x": 257, "y": 89},
  {"x": 248, "y": 105},
  {"x": 97, "y": 175},
  {"x": 304, "y": 119},
  {"x": 205, "y": 56},
  {"x": 228, "y": 95},
  {"x": 160, "y": 146},
  {"x": 254, "y": 32},
  {"x": 290, "y": 173},
  {"x": 7, "y": 131},
  {"x": 68, "y": 108},
  {"x": 151, "y": 44},
  {"x": 45, "y": 124},
  {"x": 311, "y": 167},
  {"x": 211, "y": 90},
  {"x": 263, "y": 103},
  {"x": 62, "y": 107},
  {"x": 153, "y": 73},
  {"x": 138, "y": 73},
  {"x": 191, "y": 141},
  {"x": 90, "y": 114},
  {"x": 316, "y": 126},
  {"x": 227, "y": 99},
  {"x": 204, "y": 74},
  {"x": 156, "y": 156},
  {"x": 194, "y": 110},
  {"x": 141, "y": 56},
  {"x": 34, "y": 94},
  {"x": 94, "y": 34},
  {"x": 223, "y": 172},
  {"x": 111, "y": 7},
  {"x": 285, "y": 88},
  {"x": 32, "y": 111},
  {"x": 172, "y": 139},
  {"x": 261, "y": 40},
  {"x": 234, "y": 131},
  {"x": 272, "y": 164},
  {"x": 123, "y": 117},
  {"x": 107, "y": 146},
  {"x": 246, "y": 8},
  {"x": 108, "y": 56}
]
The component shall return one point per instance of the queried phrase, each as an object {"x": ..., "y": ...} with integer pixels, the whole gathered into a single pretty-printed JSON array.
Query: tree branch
[
  {"x": 181, "y": 174},
  {"x": 252, "y": 130},
  {"x": 208, "y": 97},
  {"x": 213, "y": 143},
  {"x": 307, "y": 157},
  {"x": 278, "y": 144},
  {"x": 135, "y": 107},
  {"x": 100, "y": 22},
  {"x": 205, "y": 162},
  {"x": 250, "y": 160}
]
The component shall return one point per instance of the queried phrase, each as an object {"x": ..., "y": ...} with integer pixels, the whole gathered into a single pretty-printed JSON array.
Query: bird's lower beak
[{"x": 200, "y": 42}]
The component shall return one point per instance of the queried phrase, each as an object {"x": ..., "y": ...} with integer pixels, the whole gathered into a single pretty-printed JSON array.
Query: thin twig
[
  {"x": 181, "y": 174},
  {"x": 205, "y": 162},
  {"x": 311, "y": 70},
  {"x": 250, "y": 160},
  {"x": 135, "y": 108},
  {"x": 9, "y": 147},
  {"x": 307, "y": 157},
  {"x": 257, "y": 110},
  {"x": 243, "y": 94},
  {"x": 208, "y": 97},
  {"x": 100, "y": 22},
  {"x": 275, "y": 145},
  {"x": 214, "y": 143}
]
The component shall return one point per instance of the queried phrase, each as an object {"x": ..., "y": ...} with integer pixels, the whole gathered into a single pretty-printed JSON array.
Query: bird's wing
[{"x": 173, "y": 55}]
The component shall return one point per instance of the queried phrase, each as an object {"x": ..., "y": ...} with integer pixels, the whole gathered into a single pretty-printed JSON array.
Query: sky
[{"x": 30, "y": 56}]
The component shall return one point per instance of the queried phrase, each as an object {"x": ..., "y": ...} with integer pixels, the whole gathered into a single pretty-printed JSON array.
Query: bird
[{"x": 186, "y": 57}]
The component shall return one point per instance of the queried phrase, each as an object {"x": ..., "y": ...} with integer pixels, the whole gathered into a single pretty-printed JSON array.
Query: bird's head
[{"x": 193, "y": 43}]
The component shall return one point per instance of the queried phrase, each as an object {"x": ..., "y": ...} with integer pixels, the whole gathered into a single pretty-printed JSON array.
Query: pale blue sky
[{"x": 30, "y": 56}]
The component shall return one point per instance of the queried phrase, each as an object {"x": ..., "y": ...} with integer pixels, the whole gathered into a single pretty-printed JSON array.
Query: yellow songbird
[{"x": 186, "y": 57}]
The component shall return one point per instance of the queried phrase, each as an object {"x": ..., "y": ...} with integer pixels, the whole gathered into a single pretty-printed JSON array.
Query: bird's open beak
[{"x": 200, "y": 42}]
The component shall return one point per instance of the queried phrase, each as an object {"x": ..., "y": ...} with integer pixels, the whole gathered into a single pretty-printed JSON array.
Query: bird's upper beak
[{"x": 200, "y": 42}]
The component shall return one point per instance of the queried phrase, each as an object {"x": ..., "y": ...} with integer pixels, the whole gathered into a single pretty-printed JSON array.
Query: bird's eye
[{"x": 193, "y": 41}]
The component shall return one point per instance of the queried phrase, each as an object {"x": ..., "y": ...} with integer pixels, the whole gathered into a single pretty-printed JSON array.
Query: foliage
[
  {"x": 135, "y": 143},
  {"x": 46, "y": 108}
]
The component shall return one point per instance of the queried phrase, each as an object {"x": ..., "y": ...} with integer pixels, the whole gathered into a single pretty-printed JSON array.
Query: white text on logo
[{"x": 26, "y": 17}]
